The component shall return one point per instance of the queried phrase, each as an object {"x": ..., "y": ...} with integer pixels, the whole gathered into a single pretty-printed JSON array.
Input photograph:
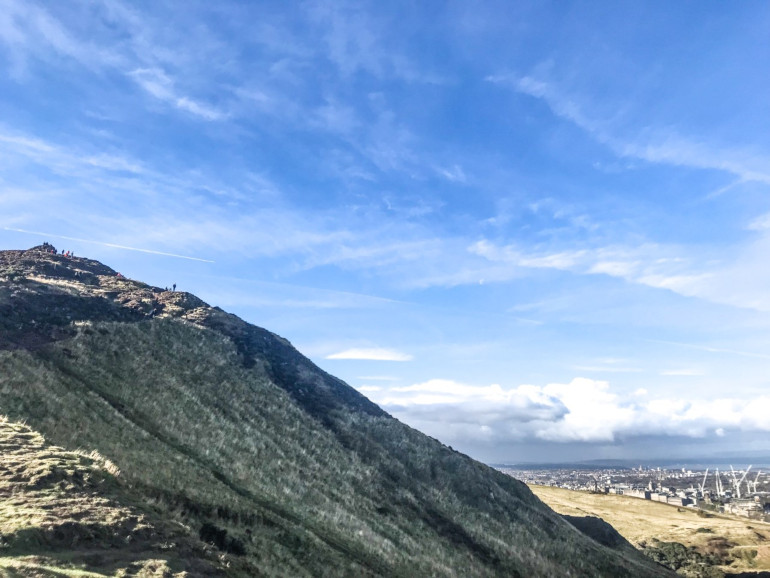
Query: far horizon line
[{"x": 758, "y": 461}]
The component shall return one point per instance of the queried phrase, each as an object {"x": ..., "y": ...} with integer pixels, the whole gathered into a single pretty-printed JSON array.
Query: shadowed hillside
[{"x": 237, "y": 450}]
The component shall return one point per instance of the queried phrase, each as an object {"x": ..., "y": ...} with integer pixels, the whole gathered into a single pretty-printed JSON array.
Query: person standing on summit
[{"x": 173, "y": 287}]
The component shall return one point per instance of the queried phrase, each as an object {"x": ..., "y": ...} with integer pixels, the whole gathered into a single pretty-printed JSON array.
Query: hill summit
[{"x": 146, "y": 433}]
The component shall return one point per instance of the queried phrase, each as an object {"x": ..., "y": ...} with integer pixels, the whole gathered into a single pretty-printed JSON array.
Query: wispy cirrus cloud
[
  {"x": 21, "y": 150},
  {"x": 654, "y": 145},
  {"x": 170, "y": 216},
  {"x": 606, "y": 369},
  {"x": 371, "y": 354},
  {"x": 685, "y": 372},
  {"x": 355, "y": 40},
  {"x": 173, "y": 68},
  {"x": 675, "y": 268},
  {"x": 257, "y": 293},
  {"x": 711, "y": 349},
  {"x": 29, "y": 30},
  {"x": 103, "y": 244},
  {"x": 158, "y": 84},
  {"x": 453, "y": 174},
  {"x": 410, "y": 256}
]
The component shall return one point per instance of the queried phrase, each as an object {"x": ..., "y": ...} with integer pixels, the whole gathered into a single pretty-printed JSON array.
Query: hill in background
[
  {"x": 695, "y": 541},
  {"x": 220, "y": 449}
]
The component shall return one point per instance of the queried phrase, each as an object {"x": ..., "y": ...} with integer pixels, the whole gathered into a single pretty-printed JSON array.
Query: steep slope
[{"x": 225, "y": 428}]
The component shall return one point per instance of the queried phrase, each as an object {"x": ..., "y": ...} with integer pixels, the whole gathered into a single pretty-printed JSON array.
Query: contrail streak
[
  {"x": 711, "y": 349},
  {"x": 107, "y": 245}
]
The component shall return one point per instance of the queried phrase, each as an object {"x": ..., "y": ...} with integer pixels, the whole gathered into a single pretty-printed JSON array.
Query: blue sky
[{"x": 536, "y": 231}]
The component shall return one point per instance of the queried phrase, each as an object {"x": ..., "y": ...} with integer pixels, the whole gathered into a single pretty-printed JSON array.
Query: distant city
[{"x": 743, "y": 490}]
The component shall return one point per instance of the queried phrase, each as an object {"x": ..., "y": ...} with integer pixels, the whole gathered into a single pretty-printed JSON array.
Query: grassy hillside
[
  {"x": 740, "y": 544},
  {"x": 63, "y": 511},
  {"x": 228, "y": 434}
]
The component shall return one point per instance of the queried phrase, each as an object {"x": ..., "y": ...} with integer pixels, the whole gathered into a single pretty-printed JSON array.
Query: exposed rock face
[{"x": 225, "y": 430}]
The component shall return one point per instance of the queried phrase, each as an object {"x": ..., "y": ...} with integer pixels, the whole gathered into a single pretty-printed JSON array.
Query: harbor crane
[
  {"x": 737, "y": 483},
  {"x": 703, "y": 484},
  {"x": 753, "y": 485},
  {"x": 719, "y": 484}
]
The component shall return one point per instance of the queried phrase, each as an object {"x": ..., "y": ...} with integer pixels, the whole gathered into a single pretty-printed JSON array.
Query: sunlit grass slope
[
  {"x": 224, "y": 429},
  {"x": 62, "y": 511},
  {"x": 742, "y": 545}
]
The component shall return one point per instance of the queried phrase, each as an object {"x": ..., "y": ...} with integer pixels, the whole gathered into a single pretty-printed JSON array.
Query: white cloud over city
[{"x": 583, "y": 410}]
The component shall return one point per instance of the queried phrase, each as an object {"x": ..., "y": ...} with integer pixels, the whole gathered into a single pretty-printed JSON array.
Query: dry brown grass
[
  {"x": 643, "y": 521},
  {"x": 61, "y": 514}
]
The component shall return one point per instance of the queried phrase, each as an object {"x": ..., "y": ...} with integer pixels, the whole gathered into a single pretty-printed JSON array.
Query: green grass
[
  {"x": 206, "y": 439},
  {"x": 63, "y": 513}
]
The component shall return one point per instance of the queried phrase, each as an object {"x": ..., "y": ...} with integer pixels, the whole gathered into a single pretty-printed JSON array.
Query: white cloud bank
[{"x": 583, "y": 410}]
